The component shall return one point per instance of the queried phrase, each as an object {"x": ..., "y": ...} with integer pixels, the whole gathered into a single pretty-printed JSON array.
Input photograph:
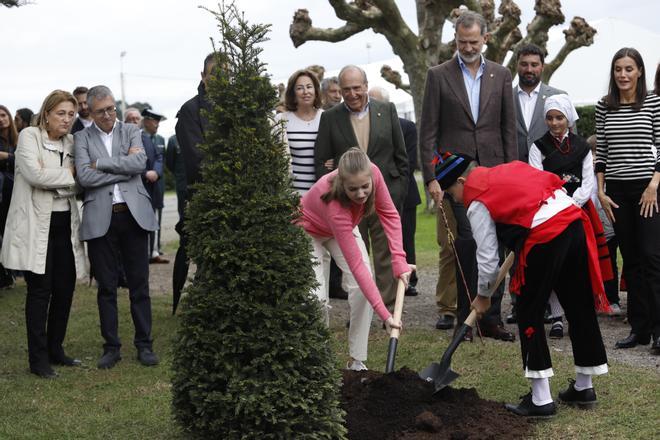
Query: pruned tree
[
  {"x": 252, "y": 357},
  {"x": 419, "y": 51},
  {"x": 13, "y": 3}
]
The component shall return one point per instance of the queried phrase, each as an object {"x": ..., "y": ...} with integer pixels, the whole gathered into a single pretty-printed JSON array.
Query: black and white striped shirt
[
  {"x": 301, "y": 136},
  {"x": 626, "y": 140}
]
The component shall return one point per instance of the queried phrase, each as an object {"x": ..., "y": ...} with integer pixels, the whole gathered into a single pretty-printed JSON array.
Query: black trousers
[
  {"x": 127, "y": 238},
  {"x": 466, "y": 248},
  {"x": 49, "y": 296},
  {"x": 559, "y": 265},
  {"x": 408, "y": 228},
  {"x": 612, "y": 286},
  {"x": 639, "y": 240}
]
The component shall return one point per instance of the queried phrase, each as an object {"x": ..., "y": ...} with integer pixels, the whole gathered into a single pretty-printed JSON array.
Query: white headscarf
[{"x": 563, "y": 104}]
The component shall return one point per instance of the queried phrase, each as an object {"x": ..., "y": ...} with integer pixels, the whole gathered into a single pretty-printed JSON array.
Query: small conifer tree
[{"x": 252, "y": 358}]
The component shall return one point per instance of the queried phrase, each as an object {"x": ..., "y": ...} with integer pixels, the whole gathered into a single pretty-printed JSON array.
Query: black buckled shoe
[
  {"x": 584, "y": 399},
  {"x": 633, "y": 340},
  {"x": 147, "y": 357},
  {"x": 445, "y": 322},
  {"x": 526, "y": 408},
  {"x": 109, "y": 359}
]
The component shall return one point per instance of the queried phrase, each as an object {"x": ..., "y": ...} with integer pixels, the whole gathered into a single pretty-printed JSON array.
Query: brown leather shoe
[
  {"x": 496, "y": 331},
  {"x": 158, "y": 260}
]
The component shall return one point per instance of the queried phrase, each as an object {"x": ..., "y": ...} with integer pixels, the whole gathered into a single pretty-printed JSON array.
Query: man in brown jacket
[{"x": 467, "y": 109}]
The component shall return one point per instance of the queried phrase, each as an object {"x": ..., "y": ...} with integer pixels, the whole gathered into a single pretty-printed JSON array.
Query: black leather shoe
[
  {"x": 109, "y": 359},
  {"x": 496, "y": 331},
  {"x": 526, "y": 408},
  {"x": 655, "y": 347},
  {"x": 512, "y": 318},
  {"x": 633, "y": 340},
  {"x": 147, "y": 357},
  {"x": 411, "y": 291},
  {"x": 584, "y": 399},
  {"x": 65, "y": 360},
  {"x": 445, "y": 322},
  {"x": 44, "y": 373}
]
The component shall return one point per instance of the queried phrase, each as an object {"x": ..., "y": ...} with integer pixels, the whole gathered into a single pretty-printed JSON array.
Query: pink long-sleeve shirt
[{"x": 324, "y": 220}]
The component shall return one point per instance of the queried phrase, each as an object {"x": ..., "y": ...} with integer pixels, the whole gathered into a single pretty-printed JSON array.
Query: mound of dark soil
[{"x": 400, "y": 405}]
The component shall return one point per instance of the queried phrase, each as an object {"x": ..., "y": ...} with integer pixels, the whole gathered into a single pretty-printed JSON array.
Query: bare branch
[
  {"x": 13, "y": 3},
  {"x": 301, "y": 30},
  {"x": 499, "y": 42},
  {"x": 579, "y": 34},
  {"x": 394, "y": 77}
]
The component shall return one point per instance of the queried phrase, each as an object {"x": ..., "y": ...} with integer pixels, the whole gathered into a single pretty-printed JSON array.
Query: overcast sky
[{"x": 65, "y": 43}]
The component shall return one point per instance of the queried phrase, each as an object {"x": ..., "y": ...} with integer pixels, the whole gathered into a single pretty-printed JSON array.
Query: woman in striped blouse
[
  {"x": 628, "y": 173},
  {"x": 301, "y": 124}
]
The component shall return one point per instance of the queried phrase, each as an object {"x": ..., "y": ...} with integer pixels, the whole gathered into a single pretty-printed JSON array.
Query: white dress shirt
[
  {"x": 107, "y": 141},
  {"x": 528, "y": 103}
]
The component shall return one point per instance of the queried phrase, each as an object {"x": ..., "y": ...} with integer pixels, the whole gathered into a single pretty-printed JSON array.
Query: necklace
[{"x": 564, "y": 148}]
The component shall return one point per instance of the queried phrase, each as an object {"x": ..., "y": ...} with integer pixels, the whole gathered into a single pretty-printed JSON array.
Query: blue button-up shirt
[{"x": 472, "y": 85}]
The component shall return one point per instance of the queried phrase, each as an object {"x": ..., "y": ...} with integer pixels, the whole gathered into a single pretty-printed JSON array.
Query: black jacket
[
  {"x": 190, "y": 130},
  {"x": 410, "y": 138}
]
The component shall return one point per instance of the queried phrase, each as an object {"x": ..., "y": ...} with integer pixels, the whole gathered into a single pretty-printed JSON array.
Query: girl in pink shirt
[{"x": 331, "y": 211}]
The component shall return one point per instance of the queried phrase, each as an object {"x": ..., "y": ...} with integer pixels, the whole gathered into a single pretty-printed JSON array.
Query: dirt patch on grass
[{"x": 402, "y": 406}]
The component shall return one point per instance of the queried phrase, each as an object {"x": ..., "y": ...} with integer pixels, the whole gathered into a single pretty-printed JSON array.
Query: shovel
[
  {"x": 441, "y": 373},
  {"x": 394, "y": 334}
]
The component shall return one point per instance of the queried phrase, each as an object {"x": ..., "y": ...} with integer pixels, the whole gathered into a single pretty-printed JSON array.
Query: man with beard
[
  {"x": 467, "y": 109},
  {"x": 528, "y": 98},
  {"x": 84, "y": 119}
]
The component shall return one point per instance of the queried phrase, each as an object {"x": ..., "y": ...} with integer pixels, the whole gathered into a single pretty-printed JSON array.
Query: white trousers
[{"x": 360, "y": 311}]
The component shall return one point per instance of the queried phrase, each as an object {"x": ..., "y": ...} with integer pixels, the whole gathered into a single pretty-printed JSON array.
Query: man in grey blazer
[
  {"x": 468, "y": 109},
  {"x": 117, "y": 215},
  {"x": 528, "y": 98},
  {"x": 374, "y": 127}
]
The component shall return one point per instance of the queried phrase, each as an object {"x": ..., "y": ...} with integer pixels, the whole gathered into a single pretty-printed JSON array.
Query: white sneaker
[
  {"x": 356, "y": 365},
  {"x": 615, "y": 310}
]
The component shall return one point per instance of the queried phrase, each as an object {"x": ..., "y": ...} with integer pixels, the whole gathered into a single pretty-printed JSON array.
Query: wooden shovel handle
[
  {"x": 508, "y": 262},
  {"x": 398, "y": 307}
]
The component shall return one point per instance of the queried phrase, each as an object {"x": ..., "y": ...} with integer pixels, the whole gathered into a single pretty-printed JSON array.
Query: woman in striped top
[
  {"x": 628, "y": 173},
  {"x": 301, "y": 124}
]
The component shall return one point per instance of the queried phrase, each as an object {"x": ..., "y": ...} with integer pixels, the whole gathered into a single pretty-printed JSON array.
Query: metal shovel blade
[
  {"x": 440, "y": 373},
  {"x": 441, "y": 376}
]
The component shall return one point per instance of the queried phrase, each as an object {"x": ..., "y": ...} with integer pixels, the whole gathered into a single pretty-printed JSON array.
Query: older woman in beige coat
[{"x": 41, "y": 234}]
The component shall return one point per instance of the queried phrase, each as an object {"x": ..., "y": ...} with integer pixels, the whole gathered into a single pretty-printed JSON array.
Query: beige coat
[{"x": 38, "y": 177}]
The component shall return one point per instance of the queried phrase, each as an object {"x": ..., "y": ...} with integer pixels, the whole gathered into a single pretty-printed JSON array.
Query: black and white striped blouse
[
  {"x": 301, "y": 136},
  {"x": 626, "y": 140}
]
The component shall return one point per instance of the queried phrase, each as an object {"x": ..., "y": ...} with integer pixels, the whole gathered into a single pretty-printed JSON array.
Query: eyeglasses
[{"x": 110, "y": 111}]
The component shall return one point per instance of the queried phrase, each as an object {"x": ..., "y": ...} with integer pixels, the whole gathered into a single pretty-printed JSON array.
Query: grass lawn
[{"x": 131, "y": 401}]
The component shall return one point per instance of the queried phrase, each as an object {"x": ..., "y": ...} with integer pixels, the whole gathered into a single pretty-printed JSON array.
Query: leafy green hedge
[
  {"x": 252, "y": 359},
  {"x": 586, "y": 125}
]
